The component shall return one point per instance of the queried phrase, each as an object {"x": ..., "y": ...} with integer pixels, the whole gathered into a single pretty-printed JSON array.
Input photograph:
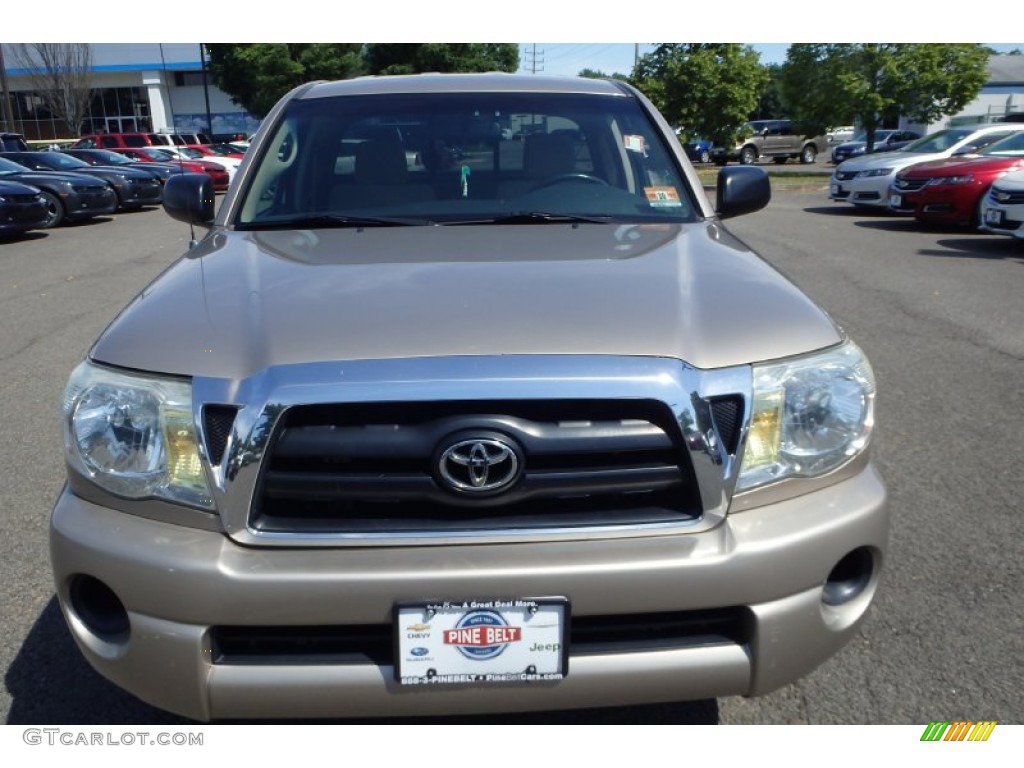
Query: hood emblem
[{"x": 479, "y": 465}]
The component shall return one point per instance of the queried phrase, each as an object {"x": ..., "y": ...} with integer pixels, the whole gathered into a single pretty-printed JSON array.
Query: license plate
[
  {"x": 994, "y": 217},
  {"x": 837, "y": 189},
  {"x": 481, "y": 642},
  {"x": 895, "y": 200}
]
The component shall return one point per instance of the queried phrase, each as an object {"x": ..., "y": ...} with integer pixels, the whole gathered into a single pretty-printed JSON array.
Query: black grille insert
[
  {"x": 217, "y": 423},
  {"x": 373, "y": 643},
  {"x": 375, "y": 467},
  {"x": 728, "y": 415}
]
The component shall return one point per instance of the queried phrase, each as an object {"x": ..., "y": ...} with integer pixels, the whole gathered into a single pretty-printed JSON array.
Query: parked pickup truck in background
[{"x": 774, "y": 139}]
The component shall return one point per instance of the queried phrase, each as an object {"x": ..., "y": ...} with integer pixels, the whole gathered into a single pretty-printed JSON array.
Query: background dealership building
[{"x": 137, "y": 87}]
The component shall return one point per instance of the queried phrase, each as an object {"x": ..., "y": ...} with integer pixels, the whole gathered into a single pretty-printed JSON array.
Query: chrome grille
[
  {"x": 374, "y": 466},
  {"x": 909, "y": 185},
  {"x": 1006, "y": 197}
]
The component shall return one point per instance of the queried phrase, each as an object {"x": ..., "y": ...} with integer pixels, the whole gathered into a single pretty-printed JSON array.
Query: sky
[
  {"x": 596, "y": 35},
  {"x": 570, "y": 58}
]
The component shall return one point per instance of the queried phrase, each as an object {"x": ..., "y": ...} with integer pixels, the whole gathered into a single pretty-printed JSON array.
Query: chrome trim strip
[{"x": 264, "y": 397}]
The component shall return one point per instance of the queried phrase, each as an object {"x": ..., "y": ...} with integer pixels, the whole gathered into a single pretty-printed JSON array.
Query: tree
[
  {"x": 408, "y": 58},
  {"x": 869, "y": 83},
  {"x": 257, "y": 75},
  {"x": 61, "y": 75},
  {"x": 769, "y": 103},
  {"x": 596, "y": 74},
  {"x": 709, "y": 89}
]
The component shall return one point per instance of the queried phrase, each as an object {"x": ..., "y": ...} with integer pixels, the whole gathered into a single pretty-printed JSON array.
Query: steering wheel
[{"x": 565, "y": 177}]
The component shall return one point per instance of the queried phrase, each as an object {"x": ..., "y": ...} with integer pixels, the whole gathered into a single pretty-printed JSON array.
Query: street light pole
[{"x": 206, "y": 89}]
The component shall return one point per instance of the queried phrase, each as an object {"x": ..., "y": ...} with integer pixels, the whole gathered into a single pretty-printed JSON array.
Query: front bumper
[
  {"x": 871, "y": 190},
  {"x": 1002, "y": 219},
  {"x": 940, "y": 205},
  {"x": 85, "y": 205},
  {"x": 180, "y": 586}
]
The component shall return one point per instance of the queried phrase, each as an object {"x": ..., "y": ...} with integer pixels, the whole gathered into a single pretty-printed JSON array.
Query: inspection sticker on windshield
[
  {"x": 663, "y": 197},
  {"x": 635, "y": 143},
  {"x": 481, "y": 642}
]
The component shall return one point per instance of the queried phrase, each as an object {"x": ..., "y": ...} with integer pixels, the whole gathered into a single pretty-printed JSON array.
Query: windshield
[
  {"x": 222, "y": 149},
  {"x": 1011, "y": 146},
  {"x": 9, "y": 166},
  {"x": 455, "y": 158},
  {"x": 939, "y": 141},
  {"x": 880, "y": 136},
  {"x": 57, "y": 161},
  {"x": 112, "y": 158}
]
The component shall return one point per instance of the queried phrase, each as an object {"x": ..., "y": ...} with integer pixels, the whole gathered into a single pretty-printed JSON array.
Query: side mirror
[
  {"x": 190, "y": 198},
  {"x": 742, "y": 189}
]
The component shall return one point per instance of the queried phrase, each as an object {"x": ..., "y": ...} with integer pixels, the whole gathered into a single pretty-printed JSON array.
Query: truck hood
[
  {"x": 240, "y": 302},
  {"x": 888, "y": 160},
  {"x": 952, "y": 166}
]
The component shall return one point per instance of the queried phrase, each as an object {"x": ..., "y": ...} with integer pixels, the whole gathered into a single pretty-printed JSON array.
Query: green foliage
[
  {"x": 710, "y": 89},
  {"x": 769, "y": 102},
  {"x": 869, "y": 83},
  {"x": 596, "y": 74},
  {"x": 408, "y": 58},
  {"x": 256, "y": 75}
]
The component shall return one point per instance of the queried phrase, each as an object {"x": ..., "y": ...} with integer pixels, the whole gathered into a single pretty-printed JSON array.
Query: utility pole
[{"x": 536, "y": 64}]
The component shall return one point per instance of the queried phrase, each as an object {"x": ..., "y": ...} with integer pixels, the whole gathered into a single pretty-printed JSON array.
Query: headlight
[
  {"x": 965, "y": 179},
  {"x": 877, "y": 172},
  {"x": 134, "y": 436},
  {"x": 810, "y": 415}
]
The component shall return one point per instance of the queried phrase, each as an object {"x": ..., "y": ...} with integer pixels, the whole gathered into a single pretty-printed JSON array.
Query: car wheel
[
  {"x": 976, "y": 217},
  {"x": 748, "y": 156},
  {"x": 808, "y": 154},
  {"x": 705, "y": 157},
  {"x": 54, "y": 210}
]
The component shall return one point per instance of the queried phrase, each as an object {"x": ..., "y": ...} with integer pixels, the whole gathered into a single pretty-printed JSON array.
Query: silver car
[
  {"x": 865, "y": 180},
  {"x": 466, "y": 402}
]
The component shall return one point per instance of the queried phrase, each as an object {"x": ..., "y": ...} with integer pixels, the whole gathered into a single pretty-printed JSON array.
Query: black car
[
  {"x": 885, "y": 141},
  {"x": 134, "y": 188},
  {"x": 106, "y": 158},
  {"x": 68, "y": 196},
  {"x": 21, "y": 208}
]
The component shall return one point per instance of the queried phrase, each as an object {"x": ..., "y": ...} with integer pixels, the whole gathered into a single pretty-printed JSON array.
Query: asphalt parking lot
[{"x": 939, "y": 313}]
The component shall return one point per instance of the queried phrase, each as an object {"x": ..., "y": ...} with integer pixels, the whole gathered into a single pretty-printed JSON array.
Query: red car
[
  {"x": 216, "y": 172},
  {"x": 218, "y": 150},
  {"x": 949, "y": 191}
]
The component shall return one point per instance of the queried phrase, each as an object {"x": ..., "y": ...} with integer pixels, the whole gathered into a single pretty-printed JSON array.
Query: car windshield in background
[
  {"x": 112, "y": 158},
  {"x": 461, "y": 158},
  {"x": 1012, "y": 145},
  {"x": 939, "y": 141}
]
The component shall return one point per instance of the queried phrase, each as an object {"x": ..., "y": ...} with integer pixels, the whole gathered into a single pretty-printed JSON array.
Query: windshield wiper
[
  {"x": 332, "y": 221},
  {"x": 533, "y": 217}
]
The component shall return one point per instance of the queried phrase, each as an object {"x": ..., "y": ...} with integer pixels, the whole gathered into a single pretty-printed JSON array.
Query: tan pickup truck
[{"x": 774, "y": 139}]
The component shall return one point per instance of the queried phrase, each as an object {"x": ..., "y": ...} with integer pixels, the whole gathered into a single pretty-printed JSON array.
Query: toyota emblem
[{"x": 479, "y": 465}]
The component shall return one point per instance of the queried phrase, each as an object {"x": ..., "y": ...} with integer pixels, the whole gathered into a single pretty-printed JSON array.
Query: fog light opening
[
  {"x": 99, "y": 609},
  {"x": 849, "y": 578}
]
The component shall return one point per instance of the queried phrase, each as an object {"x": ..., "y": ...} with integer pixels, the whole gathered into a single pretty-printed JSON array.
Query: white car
[
  {"x": 865, "y": 180},
  {"x": 1002, "y": 209},
  {"x": 230, "y": 164}
]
